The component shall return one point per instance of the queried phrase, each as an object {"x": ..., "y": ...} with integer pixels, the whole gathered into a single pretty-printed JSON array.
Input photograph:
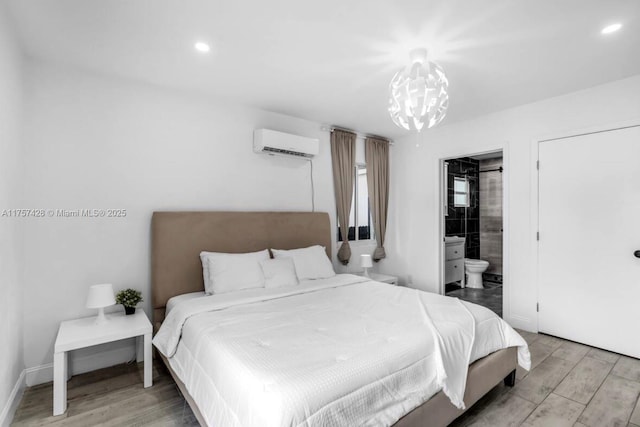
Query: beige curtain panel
[
  {"x": 343, "y": 157},
  {"x": 376, "y": 153}
]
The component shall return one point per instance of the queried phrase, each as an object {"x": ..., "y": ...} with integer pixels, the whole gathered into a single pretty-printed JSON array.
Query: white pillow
[
  {"x": 310, "y": 263},
  {"x": 224, "y": 272},
  {"x": 279, "y": 273}
]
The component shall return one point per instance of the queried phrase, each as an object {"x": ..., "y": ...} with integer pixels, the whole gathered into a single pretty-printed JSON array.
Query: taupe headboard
[{"x": 177, "y": 238}]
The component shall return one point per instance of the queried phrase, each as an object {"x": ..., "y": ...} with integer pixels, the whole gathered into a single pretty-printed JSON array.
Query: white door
[{"x": 589, "y": 223}]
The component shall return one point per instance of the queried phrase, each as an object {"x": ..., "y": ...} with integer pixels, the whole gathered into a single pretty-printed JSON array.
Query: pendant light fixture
[{"x": 418, "y": 94}]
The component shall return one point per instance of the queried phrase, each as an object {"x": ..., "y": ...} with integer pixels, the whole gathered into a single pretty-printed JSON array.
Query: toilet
[{"x": 474, "y": 269}]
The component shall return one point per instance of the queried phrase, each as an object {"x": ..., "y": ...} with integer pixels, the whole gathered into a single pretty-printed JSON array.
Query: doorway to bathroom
[{"x": 472, "y": 229}]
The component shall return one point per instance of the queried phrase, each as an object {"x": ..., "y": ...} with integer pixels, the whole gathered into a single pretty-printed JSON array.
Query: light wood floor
[
  {"x": 109, "y": 397},
  {"x": 570, "y": 385}
]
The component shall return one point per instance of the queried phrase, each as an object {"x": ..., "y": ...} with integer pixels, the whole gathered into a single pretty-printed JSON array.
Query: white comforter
[{"x": 333, "y": 352}]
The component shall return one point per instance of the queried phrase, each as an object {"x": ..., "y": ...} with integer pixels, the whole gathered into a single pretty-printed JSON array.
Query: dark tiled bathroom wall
[{"x": 455, "y": 220}]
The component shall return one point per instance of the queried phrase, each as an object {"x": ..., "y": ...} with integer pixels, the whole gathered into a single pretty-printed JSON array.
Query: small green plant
[{"x": 129, "y": 297}]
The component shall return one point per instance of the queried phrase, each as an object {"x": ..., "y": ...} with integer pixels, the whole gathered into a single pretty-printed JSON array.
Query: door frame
[
  {"x": 504, "y": 149},
  {"x": 535, "y": 189}
]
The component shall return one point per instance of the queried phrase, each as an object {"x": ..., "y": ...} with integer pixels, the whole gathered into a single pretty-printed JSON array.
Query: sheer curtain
[
  {"x": 343, "y": 156},
  {"x": 377, "y": 159}
]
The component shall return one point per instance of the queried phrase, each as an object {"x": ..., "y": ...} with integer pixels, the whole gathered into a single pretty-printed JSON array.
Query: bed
[{"x": 358, "y": 353}]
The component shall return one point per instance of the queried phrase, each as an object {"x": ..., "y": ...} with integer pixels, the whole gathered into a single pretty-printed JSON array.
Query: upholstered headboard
[{"x": 177, "y": 238}]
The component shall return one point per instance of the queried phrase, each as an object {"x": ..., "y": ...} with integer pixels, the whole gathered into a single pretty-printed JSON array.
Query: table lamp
[
  {"x": 366, "y": 263},
  {"x": 100, "y": 296}
]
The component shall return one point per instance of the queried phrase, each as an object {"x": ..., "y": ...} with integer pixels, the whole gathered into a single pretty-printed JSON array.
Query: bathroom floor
[{"x": 490, "y": 296}]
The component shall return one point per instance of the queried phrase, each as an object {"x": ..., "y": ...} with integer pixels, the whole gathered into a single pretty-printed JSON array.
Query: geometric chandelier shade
[{"x": 418, "y": 93}]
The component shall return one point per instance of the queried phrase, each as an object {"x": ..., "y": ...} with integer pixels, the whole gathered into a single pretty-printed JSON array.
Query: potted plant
[{"x": 129, "y": 298}]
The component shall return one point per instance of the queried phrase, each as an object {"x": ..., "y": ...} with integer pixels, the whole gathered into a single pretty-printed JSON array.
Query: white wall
[
  {"x": 92, "y": 142},
  {"x": 412, "y": 239},
  {"x": 11, "y": 355}
]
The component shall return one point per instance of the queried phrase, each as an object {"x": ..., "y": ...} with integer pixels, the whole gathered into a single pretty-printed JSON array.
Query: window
[
  {"x": 360, "y": 215},
  {"x": 460, "y": 192}
]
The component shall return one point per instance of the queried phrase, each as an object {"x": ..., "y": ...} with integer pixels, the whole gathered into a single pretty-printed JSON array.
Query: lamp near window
[
  {"x": 100, "y": 296},
  {"x": 366, "y": 262}
]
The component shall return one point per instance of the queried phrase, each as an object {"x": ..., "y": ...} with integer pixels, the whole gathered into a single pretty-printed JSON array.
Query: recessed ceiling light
[
  {"x": 611, "y": 28},
  {"x": 202, "y": 47}
]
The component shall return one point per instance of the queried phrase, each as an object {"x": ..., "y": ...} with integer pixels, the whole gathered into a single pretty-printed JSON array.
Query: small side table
[
  {"x": 392, "y": 280},
  {"x": 81, "y": 333}
]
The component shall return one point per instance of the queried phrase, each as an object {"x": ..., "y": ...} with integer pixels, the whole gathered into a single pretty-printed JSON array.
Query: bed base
[{"x": 483, "y": 375}]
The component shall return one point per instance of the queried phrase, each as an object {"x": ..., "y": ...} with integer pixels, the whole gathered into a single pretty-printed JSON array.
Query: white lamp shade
[
  {"x": 366, "y": 261},
  {"x": 100, "y": 296}
]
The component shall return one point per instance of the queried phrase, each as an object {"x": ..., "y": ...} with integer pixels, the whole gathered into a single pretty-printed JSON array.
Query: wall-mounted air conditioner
[{"x": 272, "y": 142}]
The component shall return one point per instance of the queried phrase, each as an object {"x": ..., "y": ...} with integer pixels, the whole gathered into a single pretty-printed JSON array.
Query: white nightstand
[
  {"x": 81, "y": 333},
  {"x": 392, "y": 280}
]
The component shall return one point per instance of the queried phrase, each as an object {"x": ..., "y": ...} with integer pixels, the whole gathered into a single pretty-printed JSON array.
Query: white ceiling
[{"x": 331, "y": 61}]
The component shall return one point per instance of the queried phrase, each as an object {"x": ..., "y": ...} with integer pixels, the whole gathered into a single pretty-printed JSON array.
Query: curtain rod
[{"x": 326, "y": 128}]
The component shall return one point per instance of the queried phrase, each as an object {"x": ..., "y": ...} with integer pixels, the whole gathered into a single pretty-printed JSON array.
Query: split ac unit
[{"x": 284, "y": 144}]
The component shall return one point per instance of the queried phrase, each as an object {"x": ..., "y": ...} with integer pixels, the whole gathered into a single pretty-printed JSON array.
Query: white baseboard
[
  {"x": 39, "y": 374},
  {"x": 78, "y": 365},
  {"x": 9, "y": 410},
  {"x": 520, "y": 322}
]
